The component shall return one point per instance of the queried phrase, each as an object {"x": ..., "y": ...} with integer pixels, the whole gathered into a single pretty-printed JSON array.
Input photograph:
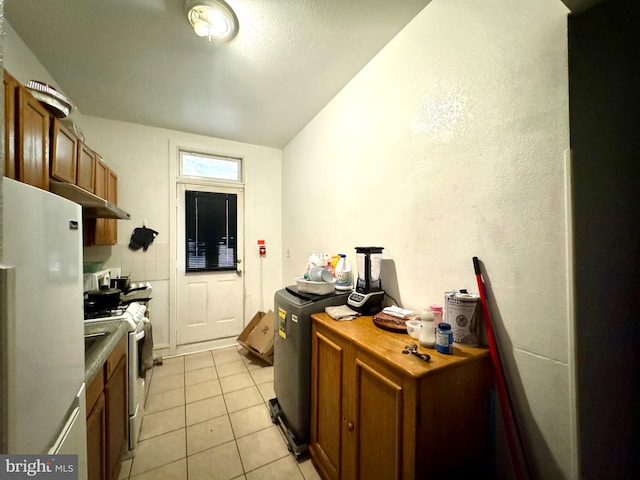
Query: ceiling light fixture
[{"x": 211, "y": 19}]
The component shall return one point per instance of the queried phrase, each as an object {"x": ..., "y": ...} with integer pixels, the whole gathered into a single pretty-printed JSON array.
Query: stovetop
[
  {"x": 133, "y": 314},
  {"x": 105, "y": 314}
]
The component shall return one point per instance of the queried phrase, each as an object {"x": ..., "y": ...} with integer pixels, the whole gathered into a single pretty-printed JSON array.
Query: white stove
[{"x": 133, "y": 316}]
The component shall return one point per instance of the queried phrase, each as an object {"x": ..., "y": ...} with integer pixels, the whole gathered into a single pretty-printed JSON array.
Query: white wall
[
  {"x": 141, "y": 157},
  {"x": 24, "y": 66},
  {"x": 450, "y": 144}
]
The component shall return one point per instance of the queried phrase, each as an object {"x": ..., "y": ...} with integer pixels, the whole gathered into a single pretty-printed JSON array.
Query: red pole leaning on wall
[{"x": 514, "y": 439}]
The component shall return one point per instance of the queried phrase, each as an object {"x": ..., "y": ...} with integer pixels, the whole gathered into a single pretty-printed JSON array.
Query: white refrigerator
[{"x": 42, "y": 390}]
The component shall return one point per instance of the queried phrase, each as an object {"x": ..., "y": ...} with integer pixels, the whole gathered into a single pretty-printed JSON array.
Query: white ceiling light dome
[{"x": 212, "y": 19}]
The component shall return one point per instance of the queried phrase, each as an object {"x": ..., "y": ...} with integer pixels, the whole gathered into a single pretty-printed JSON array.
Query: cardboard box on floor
[{"x": 258, "y": 336}]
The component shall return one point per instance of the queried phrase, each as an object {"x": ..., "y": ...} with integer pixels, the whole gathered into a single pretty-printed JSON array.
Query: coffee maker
[{"x": 368, "y": 296}]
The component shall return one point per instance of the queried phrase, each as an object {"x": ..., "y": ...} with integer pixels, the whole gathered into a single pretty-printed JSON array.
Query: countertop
[
  {"x": 98, "y": 353},
  {"x": 364, "y": 333}
]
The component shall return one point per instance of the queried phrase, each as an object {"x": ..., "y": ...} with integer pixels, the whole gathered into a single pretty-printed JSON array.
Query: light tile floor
[{"x": 207, "y": 417}]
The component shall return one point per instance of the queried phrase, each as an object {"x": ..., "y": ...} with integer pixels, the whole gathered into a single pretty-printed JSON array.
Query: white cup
[
  {"x": 413, "y": 328},
  {"x": 319, "y": 274},
  {"x": 326, "y": 275}
]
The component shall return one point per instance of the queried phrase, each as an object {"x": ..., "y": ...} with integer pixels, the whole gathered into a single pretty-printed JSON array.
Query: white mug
[
  {"x": 413, "y": 328},
  {"x": 319, "y": 274}
]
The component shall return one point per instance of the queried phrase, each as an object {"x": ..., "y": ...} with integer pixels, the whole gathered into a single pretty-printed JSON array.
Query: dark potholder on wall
[{"x": 142, "y": 238}]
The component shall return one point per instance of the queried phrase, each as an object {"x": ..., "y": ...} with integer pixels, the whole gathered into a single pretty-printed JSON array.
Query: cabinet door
[
  {"x": 112, "y": 196},
  {"x": 64, "y": 153},
  {"x": 33, "y": 141},
  {"x": 101, "y": 177},
  {"x": 106, "y": 187},
  {"x": 10, "y": 85},
  {"x": 375, "y": 442},
  {"x": 86, "y": 174},
  {"x": 96, "y": 441},
  {"x": 100, "y": 225},
  {"x": 327, "y": 404},
  {"x": 116, "y": 417}
]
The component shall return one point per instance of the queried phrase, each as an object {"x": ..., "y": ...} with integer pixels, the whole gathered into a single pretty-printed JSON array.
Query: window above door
[{"x": 210, "y": 167}]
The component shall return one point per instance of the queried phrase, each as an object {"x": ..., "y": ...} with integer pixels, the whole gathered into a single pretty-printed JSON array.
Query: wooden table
[{"x": 379, "y": 413}]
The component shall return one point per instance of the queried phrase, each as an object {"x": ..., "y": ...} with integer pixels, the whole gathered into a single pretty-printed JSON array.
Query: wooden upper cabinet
[
  {"x": 86, "y": 172},
  {"x": 38, "y": 146},
  {"x": 112, "y": 196},
  {"x": 64, "y": 153},
  {"x": 33, "y": 140},
  {"x": 10, "y": 86},
  {"x": 106, "y": 229},
  {"x": 101, "y": 177},
  {"x": 112, "y": 187}
]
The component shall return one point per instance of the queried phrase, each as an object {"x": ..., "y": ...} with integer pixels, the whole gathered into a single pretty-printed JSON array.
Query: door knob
[{"x": 350, "y": 426}]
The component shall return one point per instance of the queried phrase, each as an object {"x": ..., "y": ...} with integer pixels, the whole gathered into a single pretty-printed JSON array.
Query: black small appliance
[{"x": 368, "y": 295}]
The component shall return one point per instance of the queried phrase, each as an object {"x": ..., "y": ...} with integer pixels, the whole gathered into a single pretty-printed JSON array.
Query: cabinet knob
[{"x": 350, "y": 426}]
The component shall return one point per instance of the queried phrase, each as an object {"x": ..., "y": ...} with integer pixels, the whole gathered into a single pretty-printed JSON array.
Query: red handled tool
[{"x": 514, "y": 439}]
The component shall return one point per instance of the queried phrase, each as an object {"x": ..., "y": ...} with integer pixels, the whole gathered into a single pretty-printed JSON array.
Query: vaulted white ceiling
[{"x": 140, "y": 61}]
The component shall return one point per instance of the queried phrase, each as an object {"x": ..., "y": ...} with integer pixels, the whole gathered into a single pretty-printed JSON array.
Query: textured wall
[{"x": 449, "y": 144}]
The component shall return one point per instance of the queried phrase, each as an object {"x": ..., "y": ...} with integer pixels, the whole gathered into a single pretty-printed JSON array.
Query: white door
[{"x": 210, "y": 297}]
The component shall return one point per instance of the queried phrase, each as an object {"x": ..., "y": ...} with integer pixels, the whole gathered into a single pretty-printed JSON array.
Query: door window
[{"x": 211, "y": 231}]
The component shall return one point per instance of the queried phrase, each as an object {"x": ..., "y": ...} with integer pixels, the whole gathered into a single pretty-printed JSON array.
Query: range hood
[{"x": 92, "y": 205}]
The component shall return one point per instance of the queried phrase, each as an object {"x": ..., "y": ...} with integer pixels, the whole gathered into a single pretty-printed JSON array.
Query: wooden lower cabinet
[
  {"x": 329, "y": 403},
  {"x": 107, "y": 422},
  {"x": 376, "y": 413},
  {"x": 96, "y": 441},
  {"x": 117, "y": 417}
]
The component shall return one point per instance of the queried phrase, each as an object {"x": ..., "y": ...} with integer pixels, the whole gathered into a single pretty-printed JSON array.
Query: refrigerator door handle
[
  {"x": 7, "y": 313},
  {"x": 68, "y": 425}
]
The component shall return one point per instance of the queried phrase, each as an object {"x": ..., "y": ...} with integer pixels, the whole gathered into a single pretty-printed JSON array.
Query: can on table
[
  {"x": 462, "y": 312},
  {"x": 444, "y": 338}
]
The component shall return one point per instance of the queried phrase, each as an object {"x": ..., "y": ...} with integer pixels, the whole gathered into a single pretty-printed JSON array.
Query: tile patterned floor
[{"x": 207, "y": 417}]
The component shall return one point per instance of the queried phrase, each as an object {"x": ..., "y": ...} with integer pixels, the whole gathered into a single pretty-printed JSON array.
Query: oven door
[{"x": 136, "y": 386}]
